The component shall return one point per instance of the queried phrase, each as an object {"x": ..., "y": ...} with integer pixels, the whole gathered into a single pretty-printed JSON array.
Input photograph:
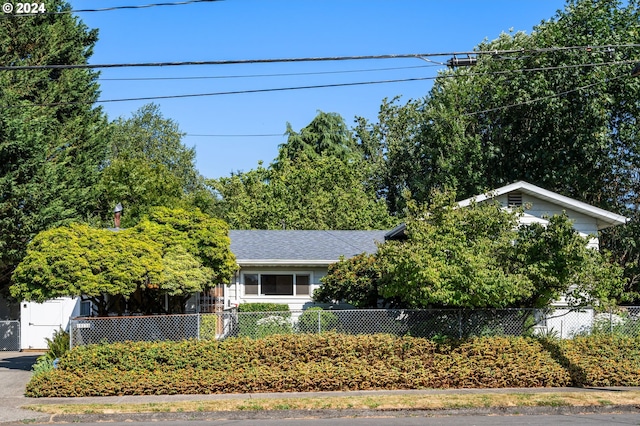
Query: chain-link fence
[
  {"x": 9, "y": 335},
  {"x": 431, "y": 323}
]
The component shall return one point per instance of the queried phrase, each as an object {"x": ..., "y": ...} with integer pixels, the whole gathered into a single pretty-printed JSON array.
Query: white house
[
  {"x": 281, "y": 266},
  {"x": 540, "y": 203},
  {"x": 587, "y": 220},
  {"x": 285, "y": 266}
]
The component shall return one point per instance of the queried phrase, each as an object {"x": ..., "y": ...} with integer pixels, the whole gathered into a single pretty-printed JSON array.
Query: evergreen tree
[{"x": 51, "y": 137}]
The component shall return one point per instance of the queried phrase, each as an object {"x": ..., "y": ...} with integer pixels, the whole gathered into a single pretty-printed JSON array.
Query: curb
[{"x": 329, "y": 414}]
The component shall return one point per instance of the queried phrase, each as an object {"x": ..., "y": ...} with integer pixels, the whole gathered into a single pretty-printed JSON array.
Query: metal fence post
[
  {"x": 319, "y": 326},
  {"x": 460, "y": 323},
  {"x": 71, "y": 334},
  {"x": 610, "y": 320},
  {"x": 198, "y": 325}
]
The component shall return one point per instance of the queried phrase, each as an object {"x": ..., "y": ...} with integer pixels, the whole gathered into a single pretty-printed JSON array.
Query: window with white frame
[{"x": 271, "y": 284}]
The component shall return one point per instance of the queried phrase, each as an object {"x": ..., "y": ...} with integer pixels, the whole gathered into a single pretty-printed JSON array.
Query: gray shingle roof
[{"x": 298, "y": 246}]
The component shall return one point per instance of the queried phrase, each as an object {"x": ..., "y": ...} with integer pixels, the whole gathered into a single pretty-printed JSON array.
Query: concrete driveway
[{"x": 15, "y": 371}]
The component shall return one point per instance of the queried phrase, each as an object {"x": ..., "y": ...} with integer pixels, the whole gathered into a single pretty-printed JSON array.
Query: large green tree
[
  {"x": 563, "y": 118},
  {"x": 318, "y": 181},
  {"x": 52, "y": 142},
  {"x": 326, "y": 135},
  {"x": 321, "y": 193},
  {"x": 173, "y": 253},
  {"x": 475, "y": 257},
  {"x": 148, "y": 165},
  {"x": 355, "y": 281}
]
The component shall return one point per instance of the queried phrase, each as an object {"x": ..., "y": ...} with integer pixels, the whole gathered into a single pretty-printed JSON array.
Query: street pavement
[{"x": 15, "y": 373}]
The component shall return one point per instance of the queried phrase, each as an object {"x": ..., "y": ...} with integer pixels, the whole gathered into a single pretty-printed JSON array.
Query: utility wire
[
  {"x": 142, "y": 6},
  {"x": 321, "y": 86},
  {"x": 263, "y": 135},
  {"x": 538, "y": 69},
  {"x": 555, "y": 95},
  {"x": 234, "y": 92},
  {"x": 559, "y": 67},
  {"x": 310, "y": 59},
  {"x": 109, "y": 9},
  {"x": 543, "y": 98},
  {"x": 265, "y": 75}
]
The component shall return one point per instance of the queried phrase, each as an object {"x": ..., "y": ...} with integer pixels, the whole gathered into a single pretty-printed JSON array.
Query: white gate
[{"x": 40, "y": 320}]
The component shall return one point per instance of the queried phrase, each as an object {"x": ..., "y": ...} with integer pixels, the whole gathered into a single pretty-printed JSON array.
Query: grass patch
[{"x": 410, "y": 401}]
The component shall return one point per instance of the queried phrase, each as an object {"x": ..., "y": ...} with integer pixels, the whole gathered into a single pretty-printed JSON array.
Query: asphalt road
[
  {"x": 15, "y": 371},
  {"x": 476, "y": 420}
]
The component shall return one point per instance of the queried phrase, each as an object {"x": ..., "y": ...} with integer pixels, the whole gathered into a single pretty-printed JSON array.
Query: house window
[
  {"x": 302, "y": 284},
  {"x": 251, "y": 284},
  {"x": 276, "y": 284},
  {"x": 85, "y": 308}
]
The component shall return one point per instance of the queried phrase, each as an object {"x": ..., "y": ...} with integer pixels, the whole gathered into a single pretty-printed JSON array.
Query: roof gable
[{"x": 604, "y": 218}]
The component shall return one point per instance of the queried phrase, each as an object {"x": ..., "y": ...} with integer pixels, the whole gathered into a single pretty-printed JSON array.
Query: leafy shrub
[
  {"x": 263, "y": 307},
  {"x": 42, "y": 365},
  {"x": 602, "y": 360},
  {"x": 57, "y": 346},
  {"x": 271, "y": 324},
  {"x": 331, "y": 361},
  {"x": 257, "y": 320},
  {"x": 208, "y": 326},
  {"x": 303, "y": 362},
  {"x": 317, "y": 320}
]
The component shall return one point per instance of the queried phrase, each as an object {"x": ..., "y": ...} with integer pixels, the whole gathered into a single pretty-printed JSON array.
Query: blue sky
[{"x": 262, "y": 29}]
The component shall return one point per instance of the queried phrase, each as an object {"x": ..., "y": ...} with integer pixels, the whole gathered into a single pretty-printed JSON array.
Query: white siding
[
  {"x": 236, "y": 294},
  {"x": 585, "y": 225}
]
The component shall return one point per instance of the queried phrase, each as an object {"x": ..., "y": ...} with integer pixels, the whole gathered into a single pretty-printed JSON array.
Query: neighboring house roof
[
  {"x": 293, "y": 247},
  {"x": 604, "y": 218}
]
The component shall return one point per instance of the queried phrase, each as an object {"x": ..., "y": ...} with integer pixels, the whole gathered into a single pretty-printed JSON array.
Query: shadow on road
[{"x": 18, "y": 361}]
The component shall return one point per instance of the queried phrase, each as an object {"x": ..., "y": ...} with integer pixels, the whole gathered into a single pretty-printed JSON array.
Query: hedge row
[{"x": 328, "y": 362}]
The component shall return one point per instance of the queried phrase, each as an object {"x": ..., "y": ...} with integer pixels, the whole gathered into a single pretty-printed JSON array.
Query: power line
[
  {"x": 109, "y": 9},
  {"x": 555, "y": 95},
  {"x": 265, "y": 75},
  {"x": 143, "y": 6},
  {"x": 308, "y": 59},
  {"x": 554, "y": 68},
  {"x": 543, "y": 98},
  {"x": 321, "y": 86},
  {"x": 234, "y": 92}
]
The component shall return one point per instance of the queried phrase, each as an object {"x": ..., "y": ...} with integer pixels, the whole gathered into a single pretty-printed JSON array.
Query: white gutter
[{"x": 285, "y": 262}]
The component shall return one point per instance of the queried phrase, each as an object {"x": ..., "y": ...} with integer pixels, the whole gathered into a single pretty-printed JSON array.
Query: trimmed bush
[
  {"x": 317, "y": 320},
  {"x": 263, "y": 307},
  {"x": 256, "y": 320},
  {"x": 327, "y": 362},
  {"x": 331, "y": 361},
  {"x": 600, "y": 360},
  {"x": 208, "y": 326}
]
